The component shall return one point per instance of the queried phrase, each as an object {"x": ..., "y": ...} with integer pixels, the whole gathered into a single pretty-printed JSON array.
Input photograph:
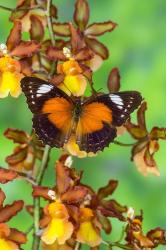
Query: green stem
[
  {"x": 49, "y": 22},
  {"x": 123, "y": 144},
  {"x": 77, "y": 246},
  {"x": 43, "y": 167},
  {"x": 19, "y": 9}
]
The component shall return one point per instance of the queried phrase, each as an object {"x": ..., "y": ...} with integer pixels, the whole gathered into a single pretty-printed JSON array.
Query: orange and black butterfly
[{"x": 93, "y": 121}]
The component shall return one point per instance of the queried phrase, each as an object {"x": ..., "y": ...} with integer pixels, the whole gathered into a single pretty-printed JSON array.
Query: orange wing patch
[
  {"x": 59, "y": 112},
  {"x": 92, "y": 118}
]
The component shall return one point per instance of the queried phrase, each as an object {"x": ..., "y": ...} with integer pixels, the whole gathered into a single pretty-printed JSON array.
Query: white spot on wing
[
  {"x": 44, "y": 89},
  {"x": 116, "y": 99}
]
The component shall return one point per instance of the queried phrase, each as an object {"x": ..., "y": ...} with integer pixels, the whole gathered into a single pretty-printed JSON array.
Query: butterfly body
[{"x": 92, "y": 121}]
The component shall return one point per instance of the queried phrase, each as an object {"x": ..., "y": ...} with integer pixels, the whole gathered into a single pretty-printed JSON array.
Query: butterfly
[{"x": 92, "y": 121}]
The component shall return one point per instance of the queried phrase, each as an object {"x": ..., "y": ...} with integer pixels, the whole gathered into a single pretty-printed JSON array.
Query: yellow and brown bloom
[
  {"x": 147, "y": 143},
  {"x": 89, "y": 228},
  {"x": 26, "y": 153},
  {"x": 59, "y": 228},
  {"x": 10, "y": 238},
  {"x": 136, "y": 239},
  {"x": 10, "y": 76}
]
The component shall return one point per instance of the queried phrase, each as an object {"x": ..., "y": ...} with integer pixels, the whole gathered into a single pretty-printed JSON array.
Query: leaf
[
  {"x": 2, "y": 198},
  {"x": 39, "y": 191},
  {"x": 14, "y": 37},
  {"x": 54, "y": 53},
  {"x": 75, "y": 195},
  {"x": 37, "y": 29},
  {"x": 17, "y": 236},
  {"x": 18, "y": 136},
  {"x": 98, "y": 29},
  {"x": 25, "y": 49},
  {"x": 7, "y": 175},
  {"x": 61, "y": 29},
  {"x": 107, "y": 190},
  {"x": 8, "y": 211},
  {"x": 97, "y": 47},
  {"x": 113, "y": 82},
  {"x": 81, "y": 14}
]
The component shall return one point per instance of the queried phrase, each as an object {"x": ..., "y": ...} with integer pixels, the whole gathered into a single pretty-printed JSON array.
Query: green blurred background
[{"x": 138, "y": 48}]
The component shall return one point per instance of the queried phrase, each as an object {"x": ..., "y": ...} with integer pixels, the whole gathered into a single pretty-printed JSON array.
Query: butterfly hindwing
[{"x": 52, "y": 110}]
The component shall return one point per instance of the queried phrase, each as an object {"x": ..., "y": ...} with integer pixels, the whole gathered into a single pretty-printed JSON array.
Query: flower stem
[
  {"x": 43, "y": 167},
  {"x": 49, "y": 22},
  {"x": 77, "y": 246},
  {"x": 19, "y": 9},
  {"x": 123, "y": 144}
]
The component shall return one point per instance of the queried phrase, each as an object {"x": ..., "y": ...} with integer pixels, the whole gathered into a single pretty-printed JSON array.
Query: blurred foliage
[{"x": 138, "y": 48}]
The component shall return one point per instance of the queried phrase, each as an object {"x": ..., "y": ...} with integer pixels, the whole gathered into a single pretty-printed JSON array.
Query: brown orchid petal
[
  {"x": 139, "y": 160},
  {"x": 7, "y": 175},
  {"x": 61, "y": 29},
  {"x": 30, "y": 209},
  {"x": 143, "y": 240},
  {"x": 77, "y": 42},
  {"x": 105, "y": 222},
  {"x": 138, "y": 148},
  {"x": 17, "y": 236},
  {"x": 107, "y": 190},
  {"x": 141, "y": 116},
  {"x": 39, "y": 191},
  {"x": 95, "y": 248},
  {"x": 8, "y": 211},
  {"x": 44, "y": 221},
  {"x": 83, "y": 55},
  {"x": 81, "y": 14},
  {"x": 25, "y": 49},
  {"x": 26, "y": 68},
  {"x": 158, "y": 133},
  {"x": 112, "y": 208},
  {"x": 54, "y": 53},
  {"x": 157, "y": 235},
  {"x": 97, "y": 47},
  {"x": 14, "y": 37},
  {"x": 19, "y": 155},
  {"x": 2, "y": 198},
  {"x": 135, "y": 131},
  {"x": 18, "y": 136},
  {"x": 57, "y": 79},
  {"x": 17, "y": 14},
  {"x": 98, "y": 29},
  {"x": 75, "y": 195},
  {"x": 37, "y": 29},
  {"x": 63, "y": 179},
  {"x": 54, "y": 11},
  {"x": 113, "y": 82}
]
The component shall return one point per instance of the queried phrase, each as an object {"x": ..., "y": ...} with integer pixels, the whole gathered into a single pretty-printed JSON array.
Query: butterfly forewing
[
  {"x": 52, "y": 110},
  {"x": 100, "y": 115}
]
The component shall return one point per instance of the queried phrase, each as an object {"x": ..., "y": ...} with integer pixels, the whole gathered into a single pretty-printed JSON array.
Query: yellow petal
[
  {"x": 58, "y": 229},
  {"x": 7, "y": 245},
  {"x": 87, "y": 234},
  {"x": 57, "y": 210},
  {"x": 56, "y": 246},
  {"x": 71, "y": 67},
  {"x": 10, "y": 82},
  {"x": 74, "y": 84}
]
